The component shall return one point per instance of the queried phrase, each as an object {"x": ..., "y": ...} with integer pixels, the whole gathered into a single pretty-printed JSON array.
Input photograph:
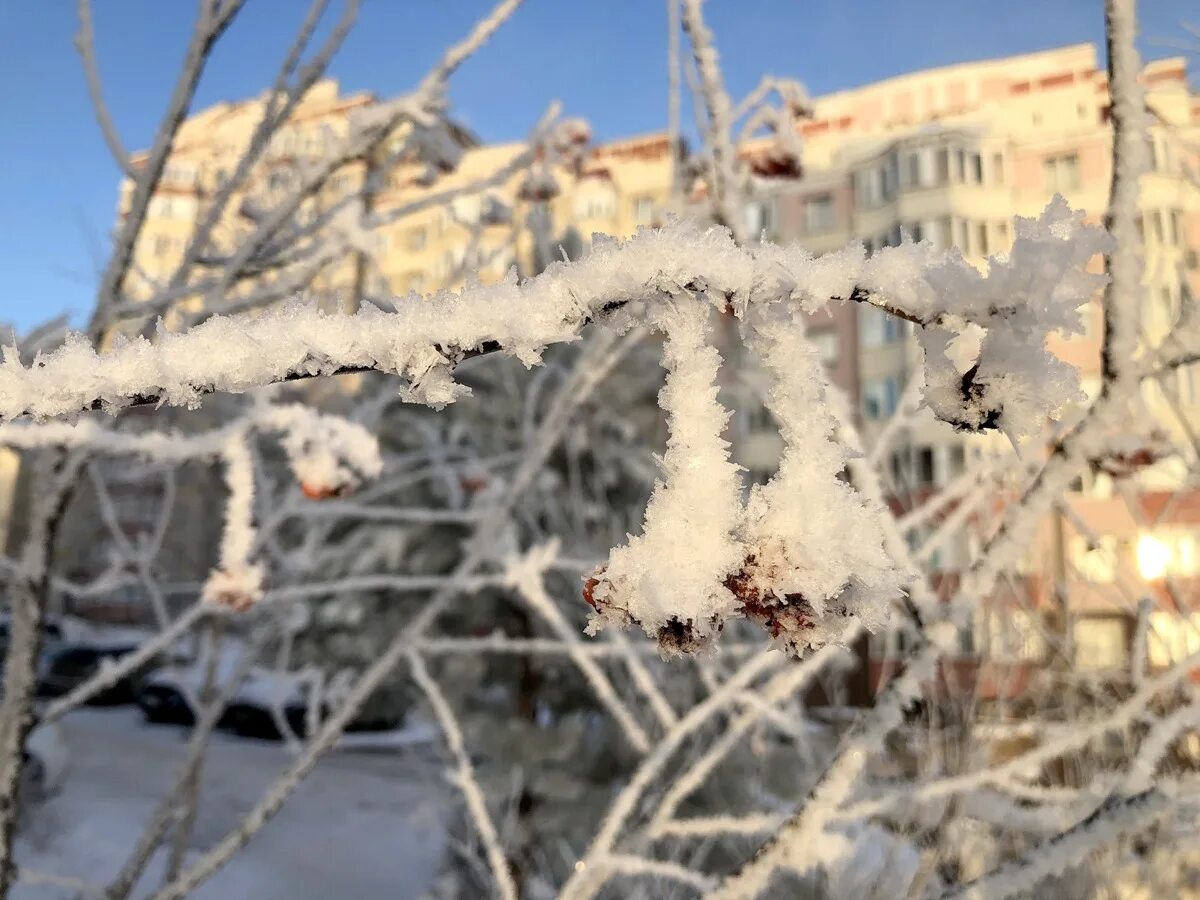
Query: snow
[
  {"x": 675, "y": 570},
  {"x": 797, "y": 525},
  {"x": 1036, "y": 285},
  {"x": 362, "y": 825}
]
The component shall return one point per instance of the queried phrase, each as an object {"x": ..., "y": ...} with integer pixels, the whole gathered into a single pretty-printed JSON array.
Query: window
[
  {"x": 876, "y": 328},
  {"x": 868, "y": 188},
  {"x": 417, "y": 239},
  {"x": 981, "y": 238},
  {"x": 1171, "y": 638},
  {"x": 998, "y": 168},
  {"x": 1100, "y": 643},
  {"x": 760, "y": 218},
  {"x": 912, "y": 170},
  {"x": 972, "y": 168},
  {"x": 890, "y": 175},
  {"x": 901, "y": 463},
  {"x": 1156, "y": 225},
  {"x": 880, "y": 398},
  {"x": 826, "y": 342},
  {"x": 943, "y": 165},
  {"x": 925, "y": 465},
  {"x": 644, "y": 210},
  {"x": 1013, "y": 634},
  {"x": 1002, "y": 233},
  {"x": 945, "y": 233},
  {"x": 180, "y": 173},
  {"x": 1061, "y": 172},
  {"x": 599, "y": 201},
  {"x": 818, "y": 214},
  {"x": 1177, "y": 235},
  {"x": 956, "y": 460},
  {"x": 962, "y": 235}
]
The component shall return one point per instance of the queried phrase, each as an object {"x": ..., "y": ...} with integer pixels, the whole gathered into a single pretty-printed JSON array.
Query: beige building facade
[{"x": 952, "y": 155}]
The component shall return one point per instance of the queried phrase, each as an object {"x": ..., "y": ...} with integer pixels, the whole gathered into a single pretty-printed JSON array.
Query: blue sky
[{"x": 605, "y": 60}]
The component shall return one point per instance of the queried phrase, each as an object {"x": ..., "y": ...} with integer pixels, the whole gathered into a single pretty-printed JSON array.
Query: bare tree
[{"x": 907, "y": 798}]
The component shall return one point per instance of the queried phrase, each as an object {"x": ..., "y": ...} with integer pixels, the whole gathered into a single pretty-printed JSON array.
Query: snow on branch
[
  {"x": 1035, "y": 289},
  {"x": 703, "y": 556}
]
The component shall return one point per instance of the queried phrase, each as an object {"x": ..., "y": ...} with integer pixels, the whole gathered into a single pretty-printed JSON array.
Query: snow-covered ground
[{"x": 363, "y": 825}]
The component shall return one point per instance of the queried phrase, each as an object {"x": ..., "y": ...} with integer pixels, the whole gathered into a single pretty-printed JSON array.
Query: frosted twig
[
  {"x": 465, "y": 778},
  {"x": 1110, "y": 820},
  {"x": 525, "y": 575},
  {"x": 423, "y": 340},
  {"x": 107, "y": 676}
]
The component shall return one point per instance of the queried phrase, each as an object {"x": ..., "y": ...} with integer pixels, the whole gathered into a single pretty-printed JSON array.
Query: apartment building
[
  {"x": 952, "y": 155},
  {"x": 484, "y": 232}
]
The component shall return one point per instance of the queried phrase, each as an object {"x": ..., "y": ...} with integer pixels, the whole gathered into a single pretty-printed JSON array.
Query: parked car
[
  {"x": 165, "y": 697},
  {"x": 254, "y": 710},
  {"x": 67, "y": 667}
]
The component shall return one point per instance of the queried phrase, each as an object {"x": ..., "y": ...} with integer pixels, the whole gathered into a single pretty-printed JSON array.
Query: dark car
[
  {"x": 253, "y": 711},
  {"x": 72, "y": 665},
  {"x": 163, "y": 698}
]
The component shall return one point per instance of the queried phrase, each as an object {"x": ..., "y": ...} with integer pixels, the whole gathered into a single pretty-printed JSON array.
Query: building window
[
  {"x": 760, "y": 218},
  {"x": 826, "y": 342},
  {"x": 944, "y": 232},
  {"x": 184, "y": 174},
  {"x": 962, "y": 235},
  {"x": 1014, "y": 634},
  {"x": 1002, "y": 233},
  {"x": 956, "y": 460},
  {"x": 599, "y": 202},
  {"x": 1061, "y": 172},
  {"x": 818, "y": 214},
  {"x": 975, "y": 168},
  {"x": 890, "y": 173},
  {"x": 998, "y": 168},
  {"x": 880, "y": 398},
  {"x": 912, "y": 170},
  {"x": 644, "y": 210},
  {"x": 1171, "y": 638},
  {"x": 981, "y": 238},
  {"x": 925, "y": 465},
  {"x": 1100, "y": 643},
  {"x": 876, "y": 328},
  {"x": 943, "y": 165},
  {"x": 868, "y": 188}
]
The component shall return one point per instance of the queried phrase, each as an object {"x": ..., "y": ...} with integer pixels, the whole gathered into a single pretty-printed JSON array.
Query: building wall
[{"x": 953, "y": 155}]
